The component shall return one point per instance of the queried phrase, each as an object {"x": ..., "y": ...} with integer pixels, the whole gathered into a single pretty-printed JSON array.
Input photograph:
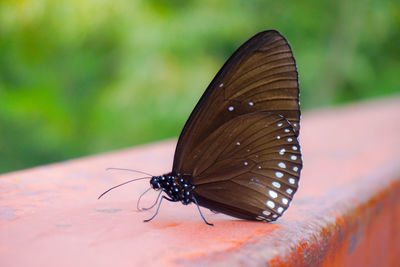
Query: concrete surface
[{"x": 346, "y": 212}]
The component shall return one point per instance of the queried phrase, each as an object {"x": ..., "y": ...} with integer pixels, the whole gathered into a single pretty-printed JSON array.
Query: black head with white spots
[{"x": 155, "y": 182}]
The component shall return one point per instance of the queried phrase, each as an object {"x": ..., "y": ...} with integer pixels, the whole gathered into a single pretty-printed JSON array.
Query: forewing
[
  {"x": 260, "y": 76},
  {"x": 249, "y": 167}
]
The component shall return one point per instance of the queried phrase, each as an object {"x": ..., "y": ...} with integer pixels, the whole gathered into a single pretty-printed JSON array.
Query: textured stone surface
[{"x": 346, "y": 212}]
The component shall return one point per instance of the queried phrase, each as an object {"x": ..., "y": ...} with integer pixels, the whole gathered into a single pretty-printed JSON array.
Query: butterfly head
[{"x": 155, "y": 182}]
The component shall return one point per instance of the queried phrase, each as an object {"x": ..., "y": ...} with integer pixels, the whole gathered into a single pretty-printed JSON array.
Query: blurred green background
[{"x": 83, "y": 77}]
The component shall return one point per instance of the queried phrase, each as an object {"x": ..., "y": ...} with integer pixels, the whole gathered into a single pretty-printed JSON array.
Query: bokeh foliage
[{"x": 82, "y": 77}]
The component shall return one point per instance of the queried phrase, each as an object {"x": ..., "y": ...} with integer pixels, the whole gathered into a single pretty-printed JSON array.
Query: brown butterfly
[{"x": 238, "y": 153}]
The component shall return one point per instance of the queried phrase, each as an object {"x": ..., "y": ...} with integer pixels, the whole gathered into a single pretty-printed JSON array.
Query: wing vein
[
  {"x": 263, "y": 64},
  {"x": 239, "y": 92}
]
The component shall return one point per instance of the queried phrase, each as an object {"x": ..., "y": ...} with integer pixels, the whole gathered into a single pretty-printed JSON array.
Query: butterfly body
[{"x": 177, "y": 187}]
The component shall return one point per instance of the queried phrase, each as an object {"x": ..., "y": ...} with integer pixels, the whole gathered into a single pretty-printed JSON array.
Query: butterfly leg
[
  {"x": 159, "y": 204},
  {"x": 201, "y": 214},
  {"x": 138, "y": 202},
  {"x": 155, "y": 202}
]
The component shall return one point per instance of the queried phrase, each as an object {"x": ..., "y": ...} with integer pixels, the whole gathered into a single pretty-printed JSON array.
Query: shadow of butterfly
[{"x": 239, "y": 153}]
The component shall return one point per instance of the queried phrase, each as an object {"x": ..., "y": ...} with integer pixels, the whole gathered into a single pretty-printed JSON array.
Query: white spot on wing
[
  {"x": 287, "y": 130},
  {"x": 285, "y": 201},
  {"x": 231, "y": 108},
  {"x": 289, "y": 139},
  {"x": 291, "y": 180},
  {"x": 294, "y": 147},
  {"x": 279, "y": 210},
  {"x": 289, "y": 191},
  {"x": 221, "y": 85},
  {"x": 293, "y": 157},
  {"x": 270, "y": 204},
  {"x": 295, "y": 168},
  {"x": 278, "y": 137},
  {"x": 238, "y": 143},
  {"x": 251, "y": 103},
  {"x": 282, "y": 151},
  {"x": 276, "y": 184},
  {"x": 279, "y": 174},
  {"x": 282, "y": 165},
  {"x": 266, "y": 212},
  {"x": 279, "y": 124},
  {"x": 273, "y": 194},
  {"x": 245, "y": 163}
]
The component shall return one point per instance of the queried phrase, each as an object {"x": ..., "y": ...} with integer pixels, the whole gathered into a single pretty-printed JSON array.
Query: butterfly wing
[
  {"x": 260, "y": 76},
  {"x": 249, "y": 167}
]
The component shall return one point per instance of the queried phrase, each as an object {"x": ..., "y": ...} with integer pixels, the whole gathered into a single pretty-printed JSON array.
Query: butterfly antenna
[
  {"x": 129, "y": 170},
  {"x": 155, "y": 202},
  {"x": 137, "y": 179},
  {"x": 159, "y": 204},
  {"x": 201, "y": 214}
]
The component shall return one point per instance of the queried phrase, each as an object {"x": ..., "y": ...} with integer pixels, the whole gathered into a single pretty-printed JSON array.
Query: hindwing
[{"x": 249, "y": 167}]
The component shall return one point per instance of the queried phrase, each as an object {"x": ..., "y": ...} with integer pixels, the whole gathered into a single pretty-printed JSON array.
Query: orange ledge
[{"x": 346, "y": 212}]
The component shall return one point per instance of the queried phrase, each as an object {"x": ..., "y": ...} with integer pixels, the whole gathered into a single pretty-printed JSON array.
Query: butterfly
[{"x": 239, "y": 153}]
